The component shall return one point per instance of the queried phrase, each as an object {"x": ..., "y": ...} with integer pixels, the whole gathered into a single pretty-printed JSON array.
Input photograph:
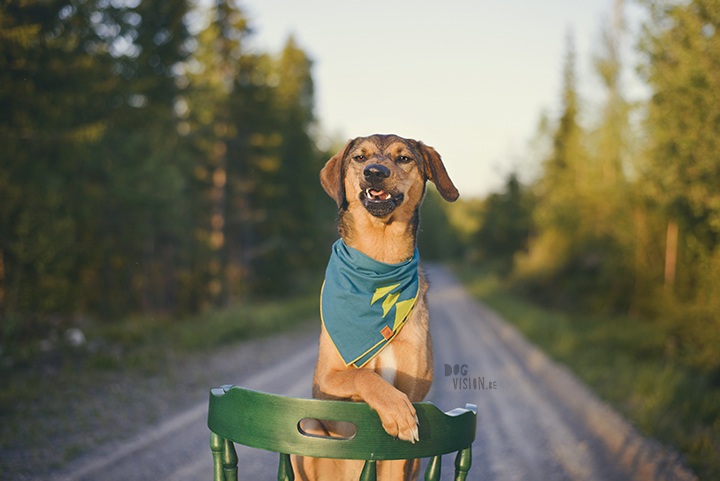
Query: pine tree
[
  {"x": 557, "y": 216},
  {"x": 506, "y": 225},
  {"x": 581, "y": 246},
  {"x": 88, "y": 173}
]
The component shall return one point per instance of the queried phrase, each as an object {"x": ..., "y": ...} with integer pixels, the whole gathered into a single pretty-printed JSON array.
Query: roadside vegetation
[
  {"x": 631, "y": 363},
  {"x": 147, "y": 344}
]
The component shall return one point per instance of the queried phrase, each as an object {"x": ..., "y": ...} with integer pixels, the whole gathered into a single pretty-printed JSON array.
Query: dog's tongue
[{"x": 378, "y": 194}]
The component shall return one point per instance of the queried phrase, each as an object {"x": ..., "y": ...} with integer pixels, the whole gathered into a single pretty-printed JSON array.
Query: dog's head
[{"x": 384, "y": 174}]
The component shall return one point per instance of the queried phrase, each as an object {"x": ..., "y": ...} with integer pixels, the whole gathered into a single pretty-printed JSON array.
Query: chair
[{"x": 272, "y": 422}]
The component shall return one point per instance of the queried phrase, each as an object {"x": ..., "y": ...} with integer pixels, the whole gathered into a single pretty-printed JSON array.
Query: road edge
[{"x": 644, "y": 458}]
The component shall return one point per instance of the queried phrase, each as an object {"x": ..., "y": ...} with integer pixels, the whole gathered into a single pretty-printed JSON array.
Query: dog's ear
[
  {"x": 436, "y": 173},
  {"x": 331, "y": 175}
]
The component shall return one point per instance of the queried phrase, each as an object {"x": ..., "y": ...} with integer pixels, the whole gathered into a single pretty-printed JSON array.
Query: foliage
[
  {"x": 437, "y": 237},
  {"x": 506, "y": 226},
  {"x": 582, "y": 195},
  {"x": 151, "y": 163},
  {"x": 625, "y": 213},
  {"x": 682, "y": 65}
]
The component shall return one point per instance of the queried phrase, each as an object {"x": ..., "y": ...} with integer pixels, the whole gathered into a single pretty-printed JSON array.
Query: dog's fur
[{"x": 378, "y": 183}]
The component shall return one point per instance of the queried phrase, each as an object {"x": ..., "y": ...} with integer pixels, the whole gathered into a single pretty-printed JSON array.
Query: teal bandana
[{"x": 364, "y": 302}]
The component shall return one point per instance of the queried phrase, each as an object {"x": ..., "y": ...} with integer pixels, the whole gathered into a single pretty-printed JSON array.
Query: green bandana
[{"x": 364, "y": 302}]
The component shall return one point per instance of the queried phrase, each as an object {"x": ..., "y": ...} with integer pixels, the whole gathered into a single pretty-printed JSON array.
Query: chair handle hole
[{"x": 322, "y": 428}]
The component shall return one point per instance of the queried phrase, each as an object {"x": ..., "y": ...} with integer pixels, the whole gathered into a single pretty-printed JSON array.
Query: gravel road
[{"x": 535, "y": 420}]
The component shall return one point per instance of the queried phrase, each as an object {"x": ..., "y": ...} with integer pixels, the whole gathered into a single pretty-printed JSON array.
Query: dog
[{"x": 378, "y": 183}]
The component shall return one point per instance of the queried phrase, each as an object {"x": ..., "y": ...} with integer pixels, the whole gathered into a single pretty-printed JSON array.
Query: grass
[
  {"x": 143, "y": 343},
  {"x": 40, "y": 396},
  {"x": 630, "y": 363}
]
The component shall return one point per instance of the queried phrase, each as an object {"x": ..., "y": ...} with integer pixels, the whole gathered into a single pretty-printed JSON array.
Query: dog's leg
[
  {"x": 325, "y": 469},
  {"x": 401, "y": 470},
  {"x": 396, "y": 412}
]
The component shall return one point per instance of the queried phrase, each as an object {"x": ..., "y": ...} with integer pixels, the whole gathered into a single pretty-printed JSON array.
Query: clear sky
[{"x": 470, "y": 78}]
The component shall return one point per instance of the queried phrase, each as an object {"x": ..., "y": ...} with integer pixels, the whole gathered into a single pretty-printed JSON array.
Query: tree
[
  {"x": 150, "y": 162},
  {"x": 506, "y": 225},
  {"x": 580, "y": 249},
  {"x": 682, "y": 66},
  {"x": 438, "y": 239},
  {"x": 681, "y": 46},
  {"x": 556, "y": 215},
  {"x": 285, "y": 227},
  {"x": 71, "y": 82},
  {"x": 215, "y": 145}
]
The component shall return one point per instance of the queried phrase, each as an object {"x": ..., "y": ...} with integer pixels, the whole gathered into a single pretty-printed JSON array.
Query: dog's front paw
[{"x": 398, "y": 416}]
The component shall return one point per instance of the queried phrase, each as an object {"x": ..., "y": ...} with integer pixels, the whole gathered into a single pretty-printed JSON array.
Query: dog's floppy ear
[
  {"x": 436, "y": 173},
  {"x": 331, "y": 175}
]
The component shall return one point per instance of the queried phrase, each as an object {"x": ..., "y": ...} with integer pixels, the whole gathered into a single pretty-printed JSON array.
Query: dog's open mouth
[
  {"x": 377, "y": 195},
  {"x": 379, "y": 202}
]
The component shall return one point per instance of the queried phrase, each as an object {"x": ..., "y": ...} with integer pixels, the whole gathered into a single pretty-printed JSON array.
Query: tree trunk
[{"x": 671, "y": 254}]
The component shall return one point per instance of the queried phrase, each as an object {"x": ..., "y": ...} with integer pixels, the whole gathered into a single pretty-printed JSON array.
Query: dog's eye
[
  {"x": 359, "y": 158},
  {"x": 404, "y": 159}
]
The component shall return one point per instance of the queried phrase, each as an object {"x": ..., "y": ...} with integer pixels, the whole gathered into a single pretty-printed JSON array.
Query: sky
[{"x": 469, "y": 77}]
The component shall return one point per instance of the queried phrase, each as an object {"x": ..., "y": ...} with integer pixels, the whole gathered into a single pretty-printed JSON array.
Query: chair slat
[{"x": 269, "y": 421}]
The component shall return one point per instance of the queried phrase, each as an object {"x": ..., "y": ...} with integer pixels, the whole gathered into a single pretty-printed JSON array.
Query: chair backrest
[{"x": 272, "y": 422}]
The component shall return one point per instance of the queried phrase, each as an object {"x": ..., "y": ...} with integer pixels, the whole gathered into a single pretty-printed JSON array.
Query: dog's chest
[{"x": 385, "y": 364}]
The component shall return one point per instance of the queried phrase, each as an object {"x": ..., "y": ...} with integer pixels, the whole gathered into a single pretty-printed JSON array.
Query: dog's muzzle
[{"x": 375, "y": 198}]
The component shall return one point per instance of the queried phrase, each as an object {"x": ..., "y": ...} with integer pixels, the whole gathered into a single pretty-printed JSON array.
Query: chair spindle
[
  {"x": 463, "y": 460},
  {"x": 432, "y": 472},
  {"x": 216, "y": 445},
  {"x": 230, "y": 461},
  {"x": 369, "y": 472},
  {"x": 285, "y": 471}
]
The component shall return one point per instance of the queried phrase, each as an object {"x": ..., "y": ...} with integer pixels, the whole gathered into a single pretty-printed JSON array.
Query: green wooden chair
[{"x": 272, "y": 422}]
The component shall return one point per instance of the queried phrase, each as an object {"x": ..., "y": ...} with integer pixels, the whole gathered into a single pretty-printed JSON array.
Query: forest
[
  {"x": 153, "y": 162},
  {"x": 624, "y": 216}
]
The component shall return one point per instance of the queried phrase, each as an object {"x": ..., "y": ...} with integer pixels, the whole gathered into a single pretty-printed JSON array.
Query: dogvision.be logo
[{"x": 463, "y": 381}]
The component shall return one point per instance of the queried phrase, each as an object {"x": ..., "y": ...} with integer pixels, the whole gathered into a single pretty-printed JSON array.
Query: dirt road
[{"x": 535, "y": 421}]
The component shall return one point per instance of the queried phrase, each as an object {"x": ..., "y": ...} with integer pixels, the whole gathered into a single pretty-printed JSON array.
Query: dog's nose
[{"x": 376, "y": 172}]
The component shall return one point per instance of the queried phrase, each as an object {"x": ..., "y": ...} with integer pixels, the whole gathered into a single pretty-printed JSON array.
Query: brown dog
[{"x": 378, "y": 183}]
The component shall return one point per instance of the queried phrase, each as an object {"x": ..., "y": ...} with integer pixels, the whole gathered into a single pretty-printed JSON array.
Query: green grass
[
  {"x": 224, "y": 326},
  {"x": 144, "y": 342},
  {"x": 630, "y": 363}
]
